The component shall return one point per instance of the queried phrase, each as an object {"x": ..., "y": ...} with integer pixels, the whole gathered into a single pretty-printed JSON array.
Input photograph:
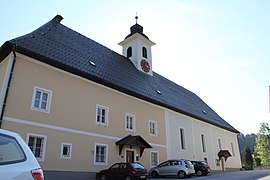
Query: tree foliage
[
  {"x": 263, "y": 145},
  {"x": 246, "y": 140},
  {"x": 247, "y": 158}
]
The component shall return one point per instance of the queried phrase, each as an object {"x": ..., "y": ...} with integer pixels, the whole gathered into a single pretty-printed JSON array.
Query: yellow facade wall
[
  {"x": 73, "y": 107},
  {"x": 3, "y": 67}
]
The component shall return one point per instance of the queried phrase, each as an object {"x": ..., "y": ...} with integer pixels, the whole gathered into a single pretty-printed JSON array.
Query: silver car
[
  {"x": 16, "y": 159},
  {"x": 174, "y": 167}
]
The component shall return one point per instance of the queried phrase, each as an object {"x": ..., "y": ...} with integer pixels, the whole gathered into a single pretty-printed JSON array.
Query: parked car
[
  {"x": 16, "y": 159},
  {"x": 201, "y": 168},
  {"x": 125, "y": 171},
  {"x": 175, "y": 167}
]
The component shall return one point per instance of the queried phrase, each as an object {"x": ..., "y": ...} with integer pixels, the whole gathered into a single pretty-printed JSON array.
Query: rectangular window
[
  {"x": 182, "y": 138},
  {"x": 219, "y": 144},
  {"x": 203, "y": 143},
  {"x": 102, "y": 115},
  {"x": 233, "y": 154},
  {"x": 66, "y": 150},
  {"x": 153, "y": 128},
  {"x": 154, "y": 158},
  {"x": 205, "y": 160},
  {"x": 41, "y": 99},
  {"x": 217, "y": 162},
  {"x": 101, "y": 152},
  {"x": 37, "y": 144},
  {"x": 130, "y": 122}
]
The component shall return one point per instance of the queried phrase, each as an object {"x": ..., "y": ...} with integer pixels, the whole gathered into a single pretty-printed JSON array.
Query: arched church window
[
  {"x": 129, "y": 52},
  {"x": 144, "y": 52}
]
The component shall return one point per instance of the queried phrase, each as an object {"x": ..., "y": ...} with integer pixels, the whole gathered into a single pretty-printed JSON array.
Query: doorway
[{"x": 130, "y": 156}]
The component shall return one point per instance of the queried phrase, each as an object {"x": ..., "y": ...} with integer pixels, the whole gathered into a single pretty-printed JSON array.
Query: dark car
[
  {"x": 201, "y": 168},
  {"x": 122, "y": 170}
]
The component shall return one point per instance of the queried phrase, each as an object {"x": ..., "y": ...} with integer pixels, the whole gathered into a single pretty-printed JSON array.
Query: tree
[
  {"x": 247, "y": 158},
  {"x": 246, "y": 140},
  {"x": 263, "y": 145},
  {"x": 257, "y": 161}
]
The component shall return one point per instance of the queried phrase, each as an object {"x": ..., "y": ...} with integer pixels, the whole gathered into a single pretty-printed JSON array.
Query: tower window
[
  {"x": 129, "y": 52},
  {"x": 144, "y": 52}
]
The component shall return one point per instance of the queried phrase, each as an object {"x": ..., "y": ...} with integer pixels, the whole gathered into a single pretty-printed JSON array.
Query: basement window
[{"x": 66, "y": 150}]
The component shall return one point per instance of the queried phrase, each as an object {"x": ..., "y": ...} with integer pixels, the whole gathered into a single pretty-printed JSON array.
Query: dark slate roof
[{"x": 66, "y": 49}]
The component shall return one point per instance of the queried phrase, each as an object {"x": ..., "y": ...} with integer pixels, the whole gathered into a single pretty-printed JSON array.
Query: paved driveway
[{"x": 240, "y": 175}]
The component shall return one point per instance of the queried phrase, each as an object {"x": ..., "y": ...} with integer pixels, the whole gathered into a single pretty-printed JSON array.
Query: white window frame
[
  {"x": 128, "y": 118},
  {"x": 48, "y": 103},
  {"x": 182, "y": 138},
  {"x": 106, "y": 109},
  {"x": 203, "y": 143},
  {"x": 69, "y": 145},
  {"x": 106, "y": 154},
  {"x": 151, "y": 162},
  {"x": 155, "y": 128},
  {"x": 44, "y": 144}
]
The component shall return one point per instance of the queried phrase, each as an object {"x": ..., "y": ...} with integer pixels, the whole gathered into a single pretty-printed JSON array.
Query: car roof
[{"x": 7, "y": 132}]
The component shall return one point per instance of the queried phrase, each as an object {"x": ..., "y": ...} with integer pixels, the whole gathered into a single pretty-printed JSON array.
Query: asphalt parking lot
[{"x": 240, "y": 175}]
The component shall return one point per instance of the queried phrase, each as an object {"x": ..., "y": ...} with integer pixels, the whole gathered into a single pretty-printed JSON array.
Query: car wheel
[
  {"x": 103, "y": 177},
  {"x": 199, "y": 173},
  {"x": 154, "y": 174},
  {"x": 128, "y": 178},
  {"x": 181, "y": 174}
]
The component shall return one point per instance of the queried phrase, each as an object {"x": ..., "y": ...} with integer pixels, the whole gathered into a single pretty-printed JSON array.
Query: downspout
[{"x": 8, "y": 86}]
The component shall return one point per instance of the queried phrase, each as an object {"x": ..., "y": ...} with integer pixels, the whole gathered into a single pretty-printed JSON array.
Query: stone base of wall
[
  {"x": 232, "y": 169},
  {"x": 68, "y": 175},
  {"x": 226, "y": 170}
]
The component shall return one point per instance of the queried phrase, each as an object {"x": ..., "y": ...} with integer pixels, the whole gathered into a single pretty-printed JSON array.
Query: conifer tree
[
  {"x": 263, "y": 145},
  {"x": 247, "y": 158}
]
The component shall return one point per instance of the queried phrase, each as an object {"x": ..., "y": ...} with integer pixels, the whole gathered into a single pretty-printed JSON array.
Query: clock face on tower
[{"x": 145, "y": 66}]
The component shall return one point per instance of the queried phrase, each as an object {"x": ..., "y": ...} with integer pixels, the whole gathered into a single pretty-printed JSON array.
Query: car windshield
[
  {"x": 137, "y": 166},
  {"x": 203, "y": 163},
  {"x": 188, "y": 162}
]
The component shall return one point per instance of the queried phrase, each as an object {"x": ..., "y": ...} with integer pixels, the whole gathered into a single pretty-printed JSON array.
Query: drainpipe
[{"x": 8, "y": 86}]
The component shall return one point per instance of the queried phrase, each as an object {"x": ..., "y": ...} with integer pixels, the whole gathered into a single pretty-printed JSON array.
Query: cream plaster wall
[
  {"x": 3, "y": 67},
  {"x": 193, "y": 130},
  {"x": 3, "y": 81},
  {"x": 73, "y": 107}
]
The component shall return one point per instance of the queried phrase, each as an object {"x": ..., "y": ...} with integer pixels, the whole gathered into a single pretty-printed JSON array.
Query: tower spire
[{"x": 136, "y": 17}]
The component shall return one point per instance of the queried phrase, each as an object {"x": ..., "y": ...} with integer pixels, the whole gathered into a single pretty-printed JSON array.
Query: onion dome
[{"x": 136, "y": 28}]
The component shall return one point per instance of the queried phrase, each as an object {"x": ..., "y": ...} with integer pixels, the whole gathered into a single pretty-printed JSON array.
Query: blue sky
[{"x": 218, "y": 49}]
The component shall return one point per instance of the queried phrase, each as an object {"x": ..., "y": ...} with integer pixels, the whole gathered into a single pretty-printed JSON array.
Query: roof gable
[{"x": 64, "y": 48}]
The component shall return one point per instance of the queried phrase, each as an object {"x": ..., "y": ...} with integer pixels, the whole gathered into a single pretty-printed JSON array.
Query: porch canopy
[
  {"x": 130, "y": 140},
  {"x": 224, "y": 153}
]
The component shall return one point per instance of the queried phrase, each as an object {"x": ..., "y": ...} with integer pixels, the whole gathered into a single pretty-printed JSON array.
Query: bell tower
[{"x": 137, "y": 47}]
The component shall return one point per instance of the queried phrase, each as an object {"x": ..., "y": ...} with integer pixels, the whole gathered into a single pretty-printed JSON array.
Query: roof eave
[
  {"x": 139, "y": 36},
  {"x": 5, "y": 50}
]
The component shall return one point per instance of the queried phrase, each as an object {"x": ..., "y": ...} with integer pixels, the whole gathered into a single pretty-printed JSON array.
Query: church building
[{"x": 82, "y": 107}]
